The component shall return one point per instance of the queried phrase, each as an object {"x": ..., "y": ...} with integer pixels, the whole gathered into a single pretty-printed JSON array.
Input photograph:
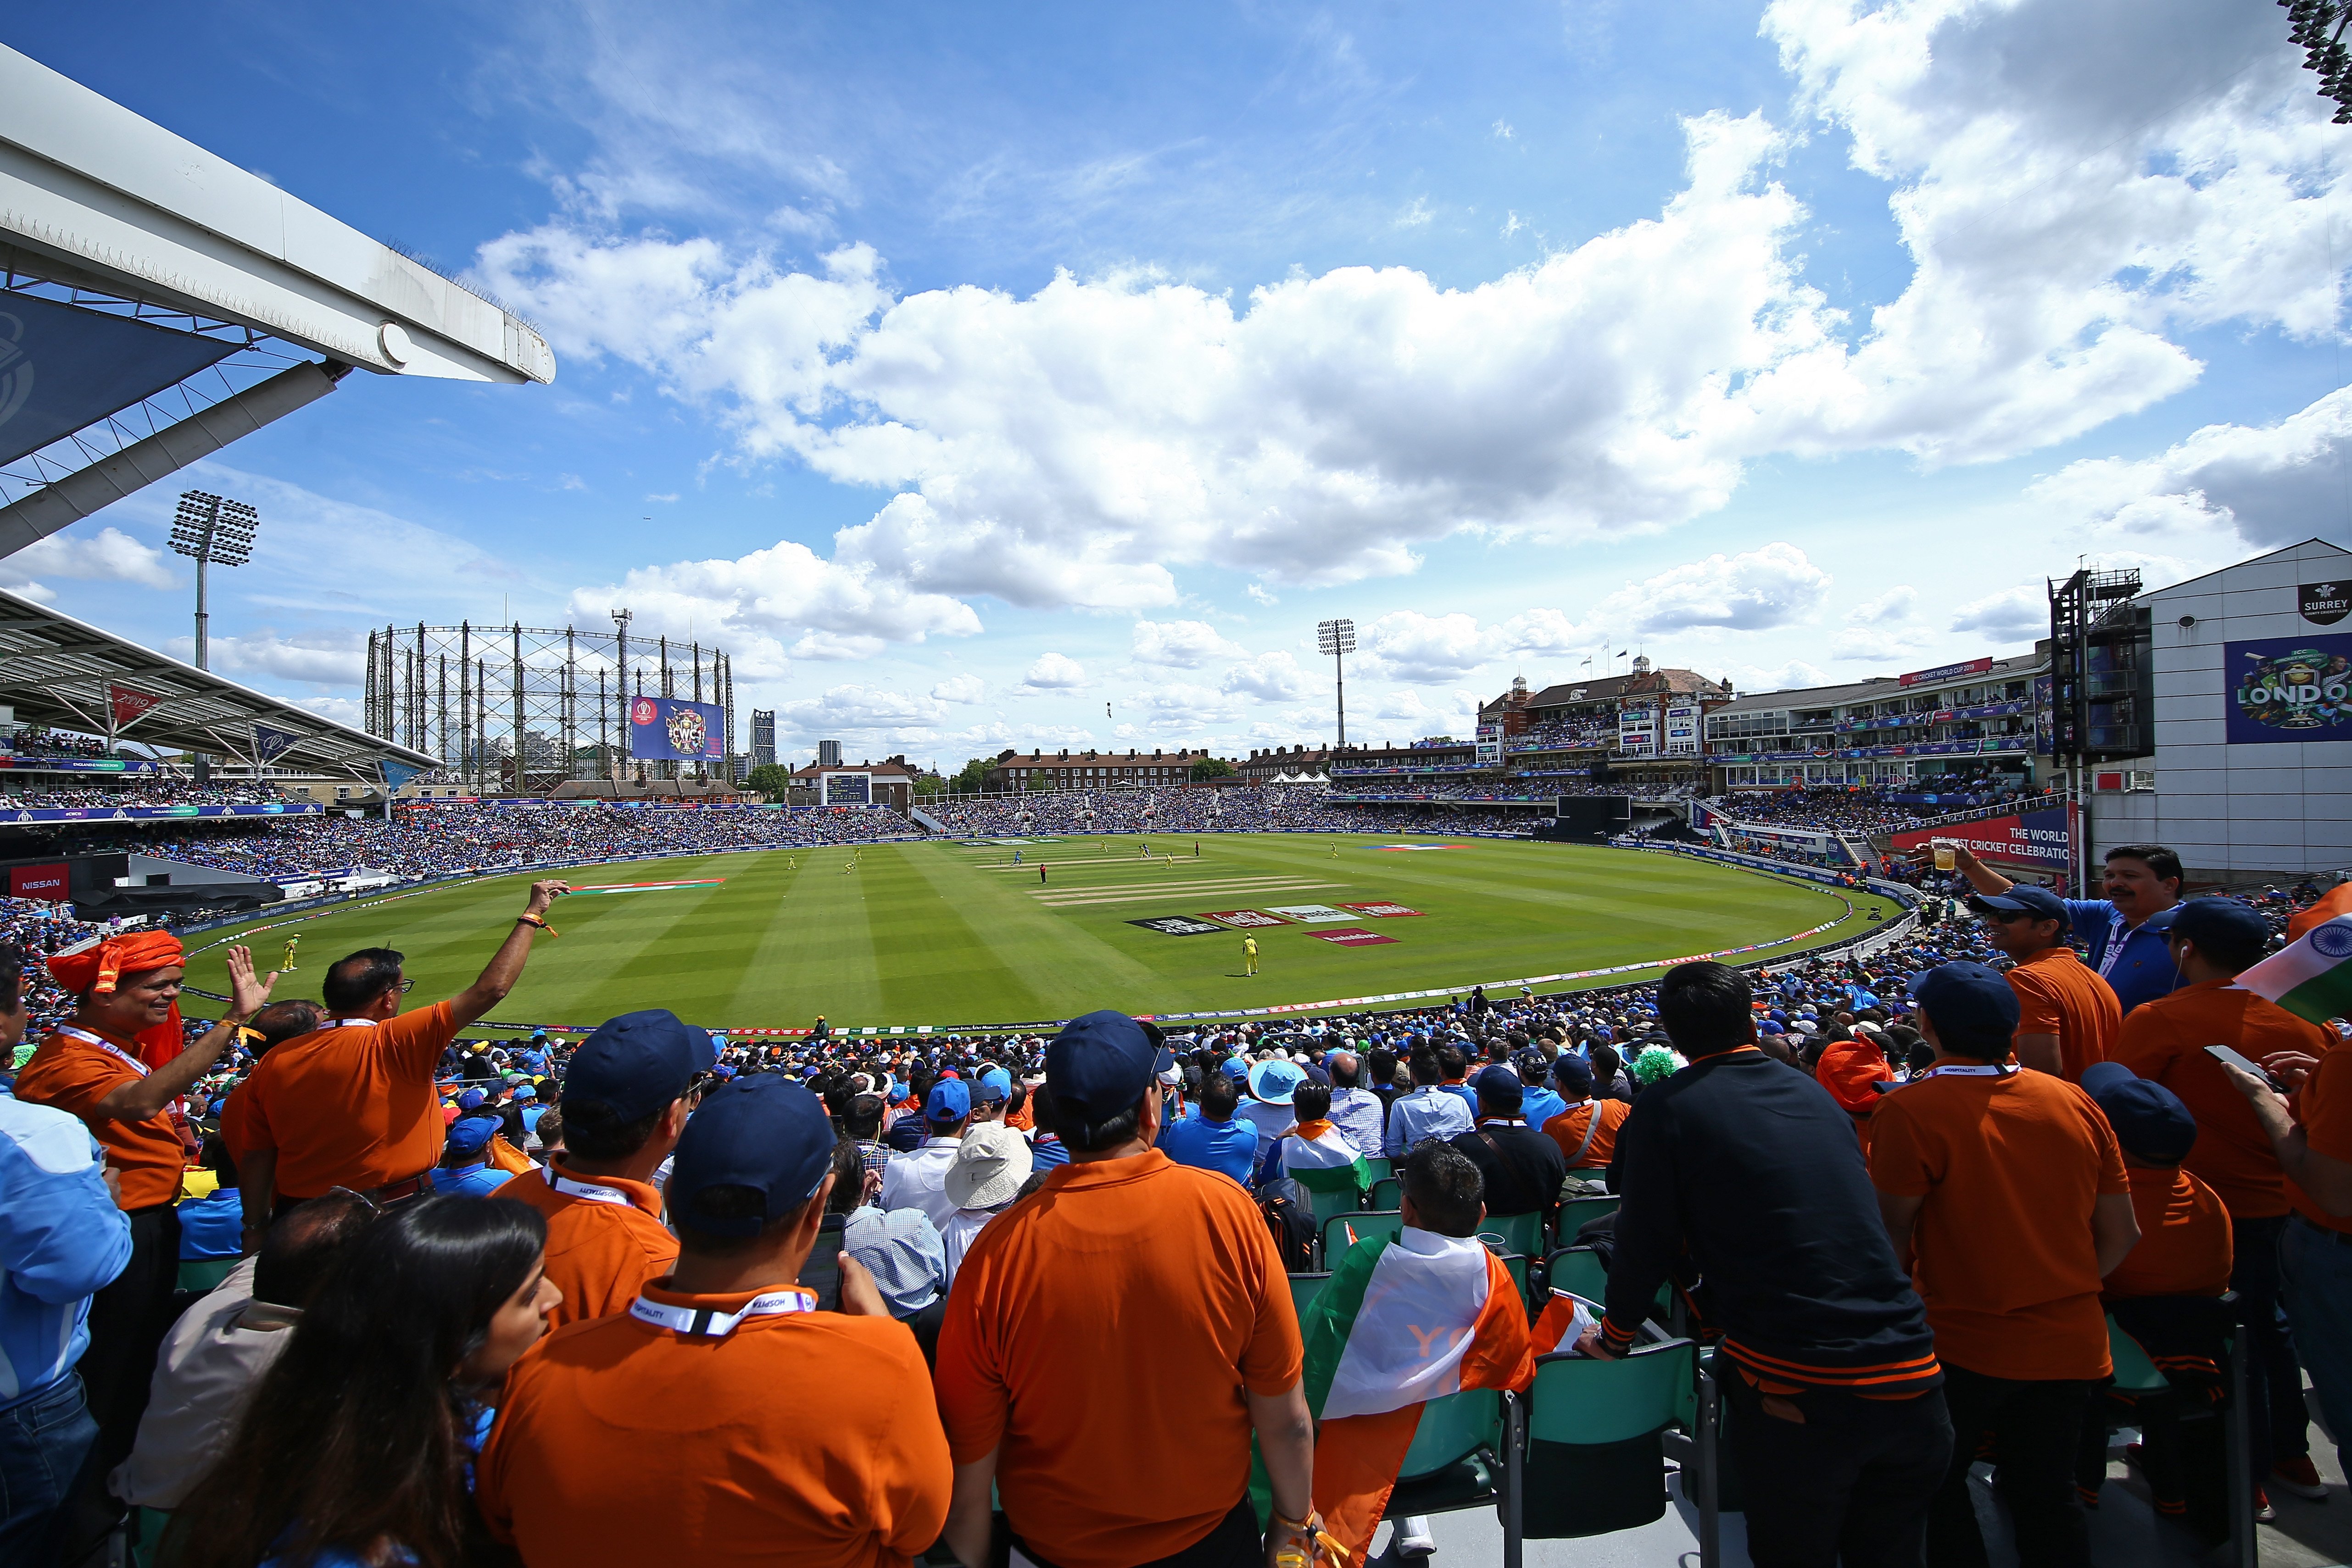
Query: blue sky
[{"x": 969, "y": 370}]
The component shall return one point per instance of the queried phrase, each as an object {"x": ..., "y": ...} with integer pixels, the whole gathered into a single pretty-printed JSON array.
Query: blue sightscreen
[{"x": 62, "y": 368}]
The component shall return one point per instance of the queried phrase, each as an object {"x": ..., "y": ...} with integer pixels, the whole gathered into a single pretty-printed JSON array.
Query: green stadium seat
[
  {"x": 1595, "y": 1458},
  {"x": 1326, "y": 1204},
  {"x": 1579, "y": 1212},
  {"x": 1461, "y": 1455},
  {"x": 1517, "y": 1263},
  {"x": 201, "y": 1274},
  {"x": 1387, "y": 1193},
  {"x": 2135, "y": 1373},
  {"x": 1382, "y": 1169},
  {"x": 1304, "y": 1288},
  {"x": 1579, "y": 1271},
  {"x": 1342, "y": 1231},
  {"x": 1520, "y": 1233}
]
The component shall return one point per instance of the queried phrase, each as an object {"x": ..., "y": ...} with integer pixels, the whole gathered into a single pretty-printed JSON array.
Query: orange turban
[{"x": 98, "y": 963}]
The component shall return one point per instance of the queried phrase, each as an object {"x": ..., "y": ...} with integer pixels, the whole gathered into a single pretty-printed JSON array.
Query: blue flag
[{"x": 269, "y": 745}]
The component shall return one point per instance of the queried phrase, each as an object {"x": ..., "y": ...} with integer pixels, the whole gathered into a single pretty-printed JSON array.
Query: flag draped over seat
[
  {"x": 1404, "y": 1320},
  {"x": 1317, "y": 1156}
]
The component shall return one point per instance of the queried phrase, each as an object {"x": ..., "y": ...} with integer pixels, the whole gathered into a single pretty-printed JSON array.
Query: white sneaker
[{"x": 1413, "y": 1537}]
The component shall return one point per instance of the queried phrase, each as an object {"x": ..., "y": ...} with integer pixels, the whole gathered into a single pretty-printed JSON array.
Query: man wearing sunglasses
[
  {"x": 353, "y": 1103},
  {"x": 2068, "y": 1018}
]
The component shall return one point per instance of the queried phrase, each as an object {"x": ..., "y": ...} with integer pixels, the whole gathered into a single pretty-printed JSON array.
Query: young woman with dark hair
[{"x": 356, "y": 1449}]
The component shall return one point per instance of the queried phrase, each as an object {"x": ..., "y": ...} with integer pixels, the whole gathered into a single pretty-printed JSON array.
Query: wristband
[{"x": 535, "y": 920}]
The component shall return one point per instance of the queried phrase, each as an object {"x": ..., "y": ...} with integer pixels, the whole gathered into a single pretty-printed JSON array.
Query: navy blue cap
[
  {"x": 469, "y": 1133},
  {"x": 472, "y": 1099},
  {"x": 763, "y": 1132},
  {"x": 1573, "y": 1074},
  {"x": 1101, "y": 1064},
  {"x": 2150, "y": 1120},
  {"x": 1972, "y": 1008},
  {"x": 2023, "y": 899},
  {"x": 2225, "y": 930},
  {"x": 950, "y": 1101},
  {"x": 1500, "y": 1085},
  {"x": 637, "y": 1063}
]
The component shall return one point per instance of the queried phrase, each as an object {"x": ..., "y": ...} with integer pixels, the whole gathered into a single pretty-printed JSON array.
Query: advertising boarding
[
  {"x": 664, "y": 729},
  {"x": 2290, "y": 688},
  {"x": 2035, "y": 839},
  {"x": 1682, "y": 731}
]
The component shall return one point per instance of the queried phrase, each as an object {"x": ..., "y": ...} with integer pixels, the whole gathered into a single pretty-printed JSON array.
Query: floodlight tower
[
  {"x": 621, "y": 619},
  {"x": 1337, "y": 638},
  {"x": 212, "y": 531}
]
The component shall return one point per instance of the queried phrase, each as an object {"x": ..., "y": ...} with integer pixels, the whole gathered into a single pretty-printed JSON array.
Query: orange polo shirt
[
  {"x": 2184, "y": 1238},
  {"x": 351, "y": 1106},
  {"x": 1567, "y": 1130},
  {"x": 2324, "y": 1106},
  {"x": 74, "y": 1075},
  {"x": 805, "y": 1437},
  {"x": 599, "y": 1252},
  {"x": 2011, "y": 1168},
  {"x": 2165, "y": 1040},
  {"x": 1156, "y": 1274},
  {"x": 2059, "y": 994},
  {"x": 234, "y": 1129}
]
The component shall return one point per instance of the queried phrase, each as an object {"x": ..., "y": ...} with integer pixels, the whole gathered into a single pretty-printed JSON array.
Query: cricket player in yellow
[
  {"x": 291, "y": 942},
  {"x": 1249, "y": 955}
]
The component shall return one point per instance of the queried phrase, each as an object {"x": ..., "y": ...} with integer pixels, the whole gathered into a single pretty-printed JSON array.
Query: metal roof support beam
[{"x": 67, "y": 501}]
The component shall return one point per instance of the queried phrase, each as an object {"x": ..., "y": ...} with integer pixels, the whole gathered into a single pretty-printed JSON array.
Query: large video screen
[{"x": 663, "y": 729}]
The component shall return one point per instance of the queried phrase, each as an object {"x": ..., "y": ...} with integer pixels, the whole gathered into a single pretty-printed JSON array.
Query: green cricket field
[{"x": 948, "y": 934}]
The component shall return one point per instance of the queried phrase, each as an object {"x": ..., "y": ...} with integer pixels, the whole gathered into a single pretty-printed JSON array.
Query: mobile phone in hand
[{"x": 2222, "y": 1054}]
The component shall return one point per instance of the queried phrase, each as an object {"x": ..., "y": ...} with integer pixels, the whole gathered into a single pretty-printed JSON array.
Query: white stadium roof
[
  {"x": 157, "y": 302},
  {"x": 60, "y": 672}
]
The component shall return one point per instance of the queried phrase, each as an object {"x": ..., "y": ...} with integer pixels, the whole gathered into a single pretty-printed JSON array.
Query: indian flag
[
  {"x": 1403, "y": 1320},
  {"x": 2310, "y": 978},
  {"x": 1319, "y": 1158}
]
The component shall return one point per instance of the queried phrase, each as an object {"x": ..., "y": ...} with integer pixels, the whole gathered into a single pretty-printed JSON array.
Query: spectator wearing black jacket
[
  {"x": 1522, "y": 1169},
  {"x": 1754, "y": 1172}
]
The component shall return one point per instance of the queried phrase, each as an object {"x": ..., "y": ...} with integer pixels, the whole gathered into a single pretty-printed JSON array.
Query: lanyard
[
  {"x": 1988, "y": 1071},
  {"x": 107, "y": 1046},
  {"x": 345, "y": 1023},
  {"x": 712, "y": 1323},
  {"x": 2116, "y": 936},
  {"x": 570, "y": 1188}
]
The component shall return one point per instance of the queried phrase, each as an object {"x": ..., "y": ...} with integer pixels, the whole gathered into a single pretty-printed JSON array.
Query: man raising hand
[{"x": 352, "y": 1105}]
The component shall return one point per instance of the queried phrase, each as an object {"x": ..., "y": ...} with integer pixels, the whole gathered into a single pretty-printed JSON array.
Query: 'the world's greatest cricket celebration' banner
[
  {"x": 2289, "y": 688},
  {"x": 2029, "y": 839},
  {"x": 663, "y": 729}
]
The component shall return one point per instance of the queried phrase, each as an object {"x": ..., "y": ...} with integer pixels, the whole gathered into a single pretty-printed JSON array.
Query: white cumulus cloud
[
  {"x": 1054, "y": 673},
  {"x": 1181, "y": 644},
  {"x": 108, "y": 555},
  {"x": 1270, "y": 677}
]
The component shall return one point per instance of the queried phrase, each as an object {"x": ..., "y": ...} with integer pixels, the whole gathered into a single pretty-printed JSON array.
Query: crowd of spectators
[
  {"x": 162, "y": 792},
  {"x": 567, "y": 1297},
  {"x": 1850, "y": 809},
  {"x": 449, "y": 839},
  {"x": 39, "y": 740}
]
